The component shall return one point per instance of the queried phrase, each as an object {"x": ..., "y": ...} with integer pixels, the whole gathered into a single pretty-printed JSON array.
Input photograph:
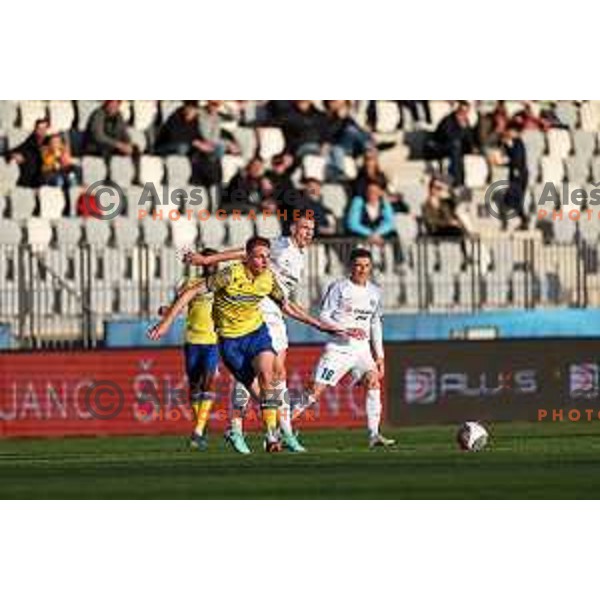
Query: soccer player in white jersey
[
  {"x": 287, "y": 263},
  {"x": 354, "y": 302}
]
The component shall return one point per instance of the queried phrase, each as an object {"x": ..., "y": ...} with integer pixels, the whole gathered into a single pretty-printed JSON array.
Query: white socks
[
  {"x": 239, "y": 401},
  {"x": 285, "y": 412},
  {"x": 373, "y": 411}
]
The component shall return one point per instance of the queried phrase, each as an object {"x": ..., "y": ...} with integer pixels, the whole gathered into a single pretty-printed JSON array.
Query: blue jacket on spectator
[{"x": 359, "y": 222}]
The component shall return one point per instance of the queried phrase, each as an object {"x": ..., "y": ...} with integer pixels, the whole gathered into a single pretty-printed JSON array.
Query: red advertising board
[{"x": 141, "y": 391}]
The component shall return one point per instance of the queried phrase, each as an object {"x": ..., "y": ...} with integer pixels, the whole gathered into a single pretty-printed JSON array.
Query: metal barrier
[{"x": 61, "y": 297}]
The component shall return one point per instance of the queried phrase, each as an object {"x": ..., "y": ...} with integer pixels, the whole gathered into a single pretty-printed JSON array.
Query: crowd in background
[{"x": 329, "y": 129}]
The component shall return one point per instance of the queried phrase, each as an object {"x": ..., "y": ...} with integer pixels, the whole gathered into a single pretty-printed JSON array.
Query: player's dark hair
[
  {"x": 360, "y": 253},
  {"x": 256, "y": 241}
]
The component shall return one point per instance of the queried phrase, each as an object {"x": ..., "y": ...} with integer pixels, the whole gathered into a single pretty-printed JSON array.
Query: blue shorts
[
  {"x": 201, "y": 361},
  {"x": 238, "y": 353}
]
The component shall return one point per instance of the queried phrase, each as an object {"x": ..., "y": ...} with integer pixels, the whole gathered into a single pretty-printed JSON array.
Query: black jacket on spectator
[
  {"x": 449, "y": 131},
  {"x": 301, "y": 128},
  {"x": 362, "y": 181},
  {"x": 176, "y": 131},
  {"x": 517, "y": 162},
  {"x": 30, "y": 171},
  {"x": 242, "y": 193}
]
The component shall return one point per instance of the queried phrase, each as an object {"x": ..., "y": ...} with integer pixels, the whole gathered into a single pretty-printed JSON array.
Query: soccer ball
[{"x": 472, "y": 436}]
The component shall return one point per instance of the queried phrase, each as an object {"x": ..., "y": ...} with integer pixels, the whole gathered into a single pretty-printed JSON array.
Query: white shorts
[
  {"x": 336, "y": 361},
  {"x": 276, "y": 326}
]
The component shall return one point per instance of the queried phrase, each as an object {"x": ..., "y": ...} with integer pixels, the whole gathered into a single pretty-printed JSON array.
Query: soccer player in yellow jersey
[{"x": 201, "y": 348}]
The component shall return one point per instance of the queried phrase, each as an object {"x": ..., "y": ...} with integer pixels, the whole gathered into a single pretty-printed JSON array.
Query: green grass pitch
[{"x": 536, "y": 460}]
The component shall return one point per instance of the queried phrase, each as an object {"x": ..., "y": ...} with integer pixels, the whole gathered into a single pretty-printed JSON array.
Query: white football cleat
[{"x": 378, "y": 441}]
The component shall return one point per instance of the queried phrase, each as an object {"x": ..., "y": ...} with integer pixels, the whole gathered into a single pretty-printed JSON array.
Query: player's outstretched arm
[
  {"x": 156, "y": 332},
  {"x": 295, "y": 311},
  {"x": 199, "y": 260}
]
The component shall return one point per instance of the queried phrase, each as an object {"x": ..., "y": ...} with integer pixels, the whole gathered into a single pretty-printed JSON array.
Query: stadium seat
[
  {"x": 52, "y": 202},
  {"x": 231, "y": 166},
  {"x": 567, "y": 113},
  {"x": 438, "y": 110},
  {"x": 245, "y": 138},
  {"x": 168, "y": 107},
  {"x": 151, "y": 170},
  {"x": 314, "y": 167},
  {"x": 239, "y": 230},
  {"x": 8, "y": 114},
  {"x": 155, "y": 232},
  {"x": 335, "y": 199},
  {"x": 552, "y": 169},
  {"x": 122, "y": 170},
  {"x": 578, "y": 169},
  {"x": 212, "y": 233},
  {"x": 38, "y": 233},
  {"x": 17, "y": 136},
  {"x": 476, "y": 171},
  {"x": 85, "y": 108},
  {"x": 268, "y": 226},
  {"x": 10, "y": 233},
  {"x": 271, "y": 142},
  {"x": 128, "y": 299},
  {"x": 179, "y": 170},
  {"x": 184, "y": 233},
  {"x": 407, "y": 227},
  {"x": 9, "y": 176},
  {"x": 559, "y": 143},
  {"x": 388, "y": 116},
  {"x": 3, "y": 206},
  {"x": 350, "y": 168},
  {"x": 68, "y": 232},
  {"x": 93, "y": 169},
  {"x": 535, "y": 143},
  {"x": 584, "y": 144},
  {"x": 96, "y": 233},
  {"x": 138, "y": 138},
  {"x": 144, "y": 113},
  {"x": 126, "y": 232},
  {"x": 31, "y": 111},
  {"x": 443, "y": 290},
  {"x": 62, "y": 114},
  {"x": 22, "y": 203},
  {"x": 413, "y": 194},
  {"x": 564, "y": 229},
  {"x": 596, "y": 169}
]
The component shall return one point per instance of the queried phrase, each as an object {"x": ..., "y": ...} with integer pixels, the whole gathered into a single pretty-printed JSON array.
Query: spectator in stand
[
  {"x": 440, "y": 218},
  {"x": 280, "y": 179},
  {"x": 311, "y": 199},
  {"x": 249, "y": 189},
  {"x": 371, "y": 217},
  {"x": 454, "y": 138},
  {"x": 515, "y": 156},
  {"x": 106, "y": 132},
  {"x": 180, "y": 134},
  {"x": 304, "y": 129},
  {"x": 344, "y": 136},
  {"x": 371, "y": 172},
  {"x": 528, "y": 119},
  {"x": 58, "y": 167},
  {"x": 29, "y": 155},
  {"x": 214, "y": 142},
  {"x": 491, "y": 126}
]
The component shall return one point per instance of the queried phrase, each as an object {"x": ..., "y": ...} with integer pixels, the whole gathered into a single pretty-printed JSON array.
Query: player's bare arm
[
  {"x": 199, "y": 260},
  {"x": 157, "y": 331},
  {"x": 298, "y": 313}
]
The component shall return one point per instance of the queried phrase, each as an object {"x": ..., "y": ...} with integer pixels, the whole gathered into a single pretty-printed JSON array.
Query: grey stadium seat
[
  {"x": 155, "y": 232},
  {"x": 68, "y": 232},
  {"x": 52, "y": 202},
  {"x": 179, "y": 170},
  {"x": 38, "y": 232},
  {"x": 567, "y": 113},
  {"x": 212, "y": 233},
  {"x": 335, "y": 199},
  {"x": 239, "y": 230},
  {"x": 584, "y": 143},
  {"x": 126, "y": 232},
  {"x": 97, "y": 232},
  {"x": 10, "y": 233},
  {"x": 578, "y": 169},
  {"x": 93, "y": 169},
  {"x": 184, "y": 233},
  {"x": 121, "y": 170},
  {"x": 22, "y": 203},
  {"x": 268, "y": 226}
]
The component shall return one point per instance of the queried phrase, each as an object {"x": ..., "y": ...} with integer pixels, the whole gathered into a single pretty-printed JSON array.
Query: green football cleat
[
  {"x": 291, "y": 443},
  {"x": 237, "y": 441},
  {"x": 199, "y": 442}
]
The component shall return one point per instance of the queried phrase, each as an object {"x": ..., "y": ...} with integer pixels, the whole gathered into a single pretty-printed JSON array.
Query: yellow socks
[{"x": 202, "y": 411}]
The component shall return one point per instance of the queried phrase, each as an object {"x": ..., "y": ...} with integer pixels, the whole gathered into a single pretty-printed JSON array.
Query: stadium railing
[{"x": 61, "y": 297}]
